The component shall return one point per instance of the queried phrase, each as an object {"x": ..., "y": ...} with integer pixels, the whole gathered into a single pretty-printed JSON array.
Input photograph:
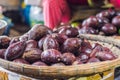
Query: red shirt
[
  {"x": 57, "y": 11},
  {"x": 116, "y": 3}
]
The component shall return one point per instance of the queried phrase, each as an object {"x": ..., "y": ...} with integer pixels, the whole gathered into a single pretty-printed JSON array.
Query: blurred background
[{"x": 21, "y": 15}]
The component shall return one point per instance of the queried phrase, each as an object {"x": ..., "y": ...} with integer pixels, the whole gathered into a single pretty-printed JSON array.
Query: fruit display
[
  {"x": 38, "y": 31},
  {"x": 39, "y": 63},
  {"x": 20, "y": 61},
  {"x": 15, "y": 50},
  {"x": 50, "y": 43},
  {"x": 106, "y": 23},
  {"x": 41, "y": 46},
  {"x": 32, "y": 55},
  {"x": 30, "y": 44},
  {"x": 4, "y": 41}
]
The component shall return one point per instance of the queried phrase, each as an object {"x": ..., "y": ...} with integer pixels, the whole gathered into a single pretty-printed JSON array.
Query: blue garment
[{"x": 9, "y": 24}]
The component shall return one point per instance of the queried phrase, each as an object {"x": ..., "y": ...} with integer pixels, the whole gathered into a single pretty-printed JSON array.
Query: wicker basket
[{"x": 51, "y": 72}]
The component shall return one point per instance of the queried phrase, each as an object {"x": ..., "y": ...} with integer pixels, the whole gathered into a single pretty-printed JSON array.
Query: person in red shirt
[
  {"x": 58, "y": 11},
  {"x": 116, "y": 3}
]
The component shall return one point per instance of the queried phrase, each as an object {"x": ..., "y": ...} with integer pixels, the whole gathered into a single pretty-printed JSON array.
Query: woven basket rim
[
  {"x": 62, "y": 71},
  {"x": 55, "y": 71}
]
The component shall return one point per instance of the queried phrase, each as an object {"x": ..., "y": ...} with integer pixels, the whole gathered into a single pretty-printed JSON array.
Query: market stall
[{"x": 60, "y": 40}]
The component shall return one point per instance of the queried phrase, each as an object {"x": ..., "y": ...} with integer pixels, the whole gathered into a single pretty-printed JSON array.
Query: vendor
[{"x": 58, "y": 11}]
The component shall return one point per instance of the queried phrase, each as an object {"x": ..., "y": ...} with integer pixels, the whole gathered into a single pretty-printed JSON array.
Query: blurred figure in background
[
  {"x": 116, "y": 3},
  {"x": 58, "y": 11}
]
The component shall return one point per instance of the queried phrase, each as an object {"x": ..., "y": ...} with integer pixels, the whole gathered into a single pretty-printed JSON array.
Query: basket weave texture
[{"x": 40, "y": 72}]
